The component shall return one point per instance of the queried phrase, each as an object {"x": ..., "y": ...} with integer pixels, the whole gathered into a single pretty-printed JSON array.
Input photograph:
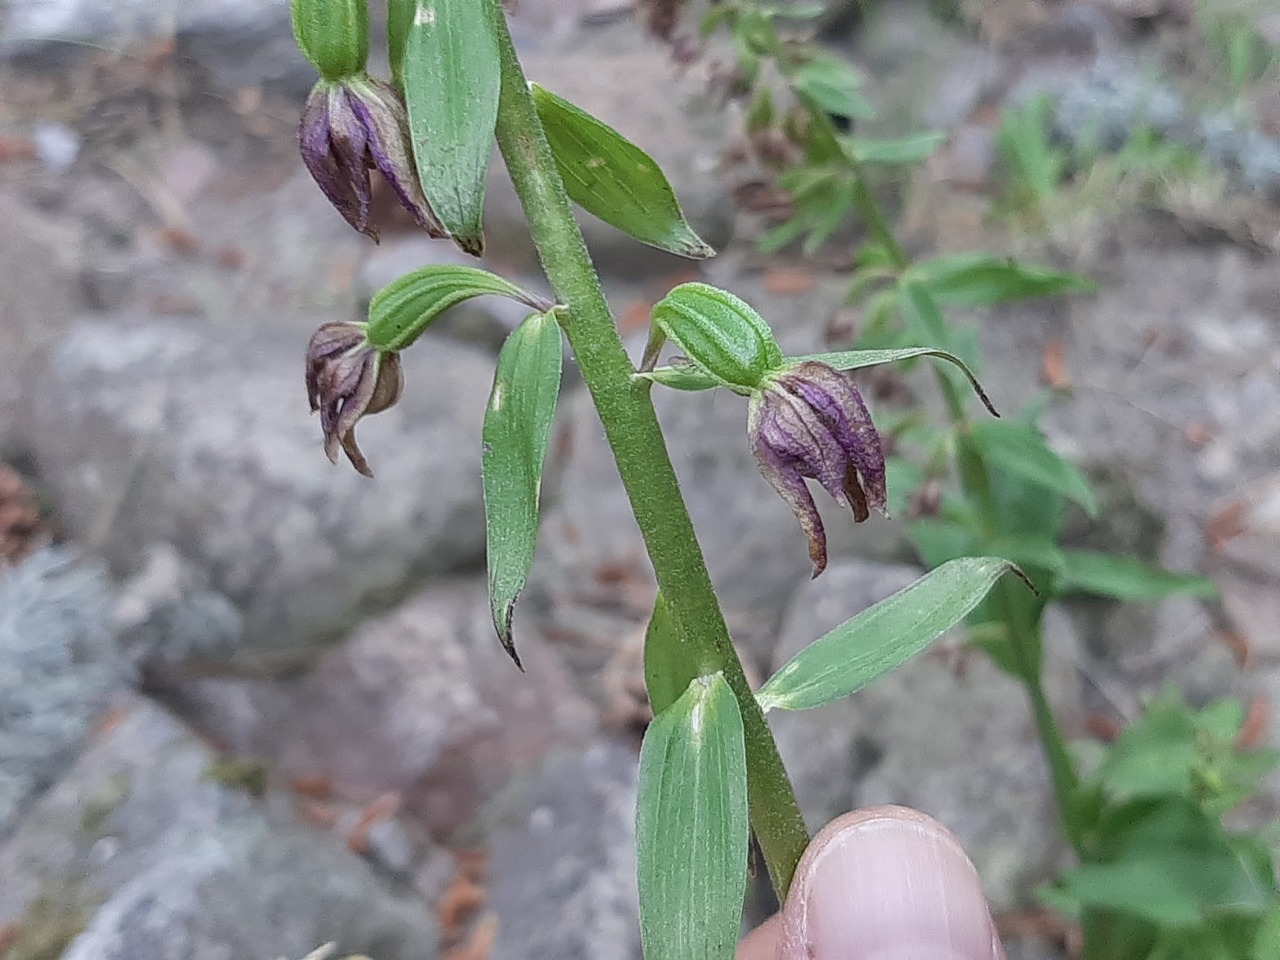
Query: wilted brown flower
[
  {"x": 355, "y": 125},
  {"x": 809, "y": 421},
  {"x": 348, "y": 378}
]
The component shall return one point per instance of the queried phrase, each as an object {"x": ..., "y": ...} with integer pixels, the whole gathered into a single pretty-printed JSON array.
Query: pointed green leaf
[
  {"x": 613, "y": 179},
  {"x": 517, "y": 429},
  {"x": 1021, "y": 450},
  {"x": 691, "y": 826},
  {"x": 451, "y": 86},
  {"x": 982, "y": 279},
  {"x": 723, "y": 336},
  {"x": 400, "y": 311},
  {"x": 1125, "y": 578},
  {"x": 857, "y": 359},
  {"x": 882, "y": 637}
]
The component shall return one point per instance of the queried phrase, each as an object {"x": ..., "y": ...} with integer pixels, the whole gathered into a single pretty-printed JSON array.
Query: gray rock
[
  {"x": 243, "y": 42},
  {"x": 147, "y": 858},
  {"x": 957, "y": 743},
  {"x": 167, "y": 616},
  {"x": 424, "y": 703},
  {"x": 165, "y": 430},
  {"x": 38, "y": 265},
  {"x": 562, "y": 873},
  {"x": 59, "y": 669}
]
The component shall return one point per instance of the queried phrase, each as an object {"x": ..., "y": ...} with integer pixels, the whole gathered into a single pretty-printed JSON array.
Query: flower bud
[
  {"x": 720, "y": 335},
  {"x": 333, "y": 35}
]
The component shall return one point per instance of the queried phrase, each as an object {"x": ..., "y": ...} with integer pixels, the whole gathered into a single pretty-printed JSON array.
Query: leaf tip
[{"x": 502, "y": 624}]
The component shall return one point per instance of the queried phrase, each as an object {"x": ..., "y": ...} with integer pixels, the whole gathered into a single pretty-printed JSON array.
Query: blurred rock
[
  {"x": 423, "y": 703},
  {"x": 59, "y": 670},
  {"x": 139, "y": 855},
  {"x": 167, "y": 616},
  {"x": 154, "y": 429},
  {"x": 242, "y": 42},
  {"x": 570, "y": 825},
  {"x": 949, "y": 735},
  {"x": 38, "y": 263}
]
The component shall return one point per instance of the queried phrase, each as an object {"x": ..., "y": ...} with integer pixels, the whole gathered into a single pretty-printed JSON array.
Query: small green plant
[
  {"x": 1240, "y": 52},
  {"x": 710, "y": 773}
]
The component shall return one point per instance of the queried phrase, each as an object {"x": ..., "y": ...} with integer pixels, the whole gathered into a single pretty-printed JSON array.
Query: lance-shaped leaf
[
  {"x": 982, "y": 279},
  {"x": 400, "y": 311},
  {"x": 721, "y": 335},
  {"x": 517, "y": 429},
  {"x": 451, "y": 81},
  {"x": 613, "y": 179},
  {"x": 1020, "y": 450},
  {"x": 691, "y": 826},
  {"x": 1125, "y": 578},
  {"x": 683, "y": 375},
  {"x": 882, "y": 637}
]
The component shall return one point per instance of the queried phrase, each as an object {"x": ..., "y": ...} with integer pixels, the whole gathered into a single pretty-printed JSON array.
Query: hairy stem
[{"x": 632, "y": 428}]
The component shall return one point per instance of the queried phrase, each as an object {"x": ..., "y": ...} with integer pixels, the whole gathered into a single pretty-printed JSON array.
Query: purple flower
[
  {"x": 348, "y": 378},
  {"x": 350, "y": 127},
  {"x": 809, "y": 421}
]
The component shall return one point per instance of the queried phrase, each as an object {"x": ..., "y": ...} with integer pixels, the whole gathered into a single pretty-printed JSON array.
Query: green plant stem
[
  {"x": 631, "y": 426},
  {"x": 1024, "y": 639},
  {"x": 1025, "y": 643}
]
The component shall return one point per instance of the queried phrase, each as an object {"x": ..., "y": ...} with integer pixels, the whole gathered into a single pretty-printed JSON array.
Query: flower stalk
[{"x": 631, "y": 426}]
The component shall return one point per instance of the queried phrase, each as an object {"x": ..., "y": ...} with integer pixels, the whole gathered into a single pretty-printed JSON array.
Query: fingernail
[{"x": 887, "y": 884}]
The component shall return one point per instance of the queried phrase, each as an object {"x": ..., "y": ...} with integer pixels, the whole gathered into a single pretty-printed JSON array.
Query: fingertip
[{"x": 884, "y": 883}]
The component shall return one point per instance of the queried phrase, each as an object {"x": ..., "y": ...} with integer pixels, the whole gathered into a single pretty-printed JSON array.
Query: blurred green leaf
[
  {"x": 613, "y": 179},
  {"x": 882, "y": 637},
  {"x": 834, "y": 87},
  {"x": 1124, "y": 578},
  {"x": 896, "y": 151},
  {"x": 982, "y": 279},
  {"x": 691, "y": 826},
  {"x": 451, "y": 80},
  {"x": 1021, "y": 450},
  {"x": 517, "y": 430},
  {"x": 1175, "y": 868}
]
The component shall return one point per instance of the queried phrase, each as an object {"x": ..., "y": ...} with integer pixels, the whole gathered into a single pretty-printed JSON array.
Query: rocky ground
[{"x": 251, "y": 704}]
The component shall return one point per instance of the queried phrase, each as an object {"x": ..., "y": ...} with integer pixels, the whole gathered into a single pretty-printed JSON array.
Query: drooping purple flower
[
  {"x": 809, "y": 423},
  {"x": 355, "y": 125},
  {"x": 348, "y": 378}
]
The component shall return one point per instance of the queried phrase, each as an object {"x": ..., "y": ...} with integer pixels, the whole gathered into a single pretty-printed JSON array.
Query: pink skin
[{"x": 885, "y": 883}]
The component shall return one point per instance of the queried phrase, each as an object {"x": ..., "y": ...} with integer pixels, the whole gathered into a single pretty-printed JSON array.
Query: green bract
[
  {"x": 401, "y": 310},
  {"x": 451, "y": 81},
  {"x": 613, "y": 179},
  {"x": 691, "y": 826},
  {"x": 333, "y": 35},
  {"x": 721, "y": 336},
  {"x": 517, "y": 429}
]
